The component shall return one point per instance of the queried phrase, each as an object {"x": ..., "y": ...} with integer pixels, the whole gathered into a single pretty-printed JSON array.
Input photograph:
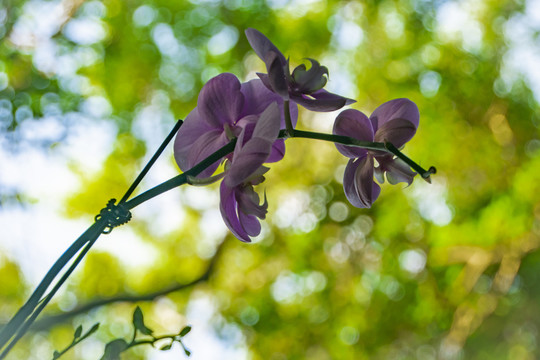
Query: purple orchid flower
[
  {"x": 239, "y": 204},
  {"x": 396, "y": 122},
  {"x": 304, "y": 87},
  {"x": 224, "y": 108}
]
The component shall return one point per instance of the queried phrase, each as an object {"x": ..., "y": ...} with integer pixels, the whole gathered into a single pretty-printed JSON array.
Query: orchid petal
[
  {"x": 276, "y": 75},
  {"x": 293, "y": 110},
  {"x": 322, "y": 101},
  {"x": 192, "y": 128},
  {"x": 258, "y": 96},
  {"x": 249, "y": 158},
  {"x": 348, "y": 183},
  {"x": 248, "y": 202},
  {"x": 278, "y": 151},
  {"x": 228, "y": 209},
  {"x": 395, "y": 109},
  {"x": 257, "y": 177},
  {"x": 220, "y": 101},
  {"x": 250, "y": 224},
  {"x": 247, "y": 128},
  {"x": 379, "y": 174},
  {"x": 367, "y": 189},
  {"x": 203, "y": 147},
  {"x": 358, "y": 184},
  {"x": 398, "y": 171},
  {"x": 355, "y": 124},
  {"x": 266, "y": 81},
  {"x": 262, "y": 45},
  {"x": 397, "y": 132},
  {"x": 267, "y": 127}
]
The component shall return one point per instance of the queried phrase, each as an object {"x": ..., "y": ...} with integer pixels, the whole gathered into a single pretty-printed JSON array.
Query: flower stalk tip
[{"x": 427, "y": 174}]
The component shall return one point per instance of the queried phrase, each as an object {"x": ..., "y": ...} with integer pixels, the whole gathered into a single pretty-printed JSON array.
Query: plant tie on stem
[{"x": 115, "y": 215}]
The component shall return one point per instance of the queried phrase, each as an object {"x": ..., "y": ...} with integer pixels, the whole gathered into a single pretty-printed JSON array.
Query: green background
[{"x": 447, "y": 270}]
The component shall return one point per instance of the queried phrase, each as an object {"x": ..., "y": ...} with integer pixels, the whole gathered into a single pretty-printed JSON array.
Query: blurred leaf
[
  {"x": 92, "y": 330},
  {"x": 78, "y": 332},
  {"x": 113, "y": 349},
  {"x": 138, "y": 322},
  {"x": 185, "y": 331}
]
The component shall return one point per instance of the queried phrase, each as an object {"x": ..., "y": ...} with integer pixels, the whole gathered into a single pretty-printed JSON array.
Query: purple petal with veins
[
  {"x": 240, "y": 209},
  {"x": 321, "y": 100},
  {"x": 220, "y": 101},
  {"x": 358, "y": 184},
  {"x": 203, "y": 147},
  {"x": 192, "y": 128},
  {"x": 397, "y": 132},
  {"x": 249, "y": 223},
  {"x": 262, "y": 45},
  {"x": 278, "y": 151},
  {"x": 258, "y": 96},
  {"x": 395, "y": 109},
  {"x": 267, "y": 127},
  {"x": 229, "y": 212},
  {"x": 245, "y": 162},
  {"x": 251, "y": 154},
  {"x": 355, "y": 124},
  {"x": 397, "y": 171},
  {"x": 276, "y": 75}
]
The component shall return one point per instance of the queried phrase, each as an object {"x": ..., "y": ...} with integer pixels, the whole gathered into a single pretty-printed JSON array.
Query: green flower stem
[
  {"x": 376, "y": 146},
  {"x": 182, "y": 178},
  {"x": 174, "y": 338},
  {"x": 46, "y": 323},
  {"x": 227, "y": 149},
  {"x": 345, "y": 140},
  {"x": 20, "y": 323},
  {"x": 26, "y": 310},
  {"x": 425, "y": 174},
  {"x": 151, "y": 162},
  {"x": 76, "y": 340},
  {"x": 26, "y": 315},
  {"x": 150, "y": 341},
  {"x": 288, "y": 122},
  {"x": 30, "y": 310}
]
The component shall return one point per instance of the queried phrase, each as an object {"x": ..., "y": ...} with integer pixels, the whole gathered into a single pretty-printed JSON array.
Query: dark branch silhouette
[{"x": 52, "y": 320}]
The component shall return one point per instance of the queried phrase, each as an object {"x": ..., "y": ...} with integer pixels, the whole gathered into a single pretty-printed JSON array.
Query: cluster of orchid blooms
[
  {"x": 255, "y": 118},
  {"x": 254, "y": 112}
]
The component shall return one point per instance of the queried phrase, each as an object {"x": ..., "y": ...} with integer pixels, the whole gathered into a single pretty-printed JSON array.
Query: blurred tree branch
[
  {"x": 471, "y": 311},
  {"x": 52, "y": 320}
]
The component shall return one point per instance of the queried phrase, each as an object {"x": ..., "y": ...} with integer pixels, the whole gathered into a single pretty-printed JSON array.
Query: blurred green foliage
[{"x": 447, "y": 270}]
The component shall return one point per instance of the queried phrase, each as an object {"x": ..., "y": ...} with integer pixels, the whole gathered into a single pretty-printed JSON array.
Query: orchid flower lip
[{"x": 228, "y": 131}]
